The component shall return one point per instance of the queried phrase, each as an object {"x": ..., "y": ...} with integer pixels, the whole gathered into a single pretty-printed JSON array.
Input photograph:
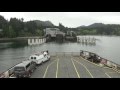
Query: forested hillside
[{"x": 99, "y": 29}]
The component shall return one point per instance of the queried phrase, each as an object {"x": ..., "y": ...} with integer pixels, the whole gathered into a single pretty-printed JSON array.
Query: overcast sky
[{"x": 69, "y": 19}]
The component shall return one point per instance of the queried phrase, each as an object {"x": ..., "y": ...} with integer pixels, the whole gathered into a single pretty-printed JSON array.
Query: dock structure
[
  {"x": 75, "y": 65},
  {"x": 36, "y": 41},
  {"x": 54, "y": 34},
  {"x": 83, "y": 39}
]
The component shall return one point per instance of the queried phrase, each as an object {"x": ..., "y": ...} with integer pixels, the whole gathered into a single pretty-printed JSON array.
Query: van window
[
  {"x": 31, "y": 57},
  {"x": 27, "y": 65},
  {"x": 19, "y": 69},
  {"x": 34, "y": 57}
]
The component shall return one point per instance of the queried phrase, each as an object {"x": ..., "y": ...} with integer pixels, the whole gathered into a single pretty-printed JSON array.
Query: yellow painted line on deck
[
  {"x": 47, "y": 68},
  {"x": 90, "y": 62},
  {"x": 57, "y": 68},
  {"x": 100, "y": 66},
  {"x": 108, "y": 75},
  {"x": 85, "y": 68},
  {"x": 75, "y": 68},
  {"x": 112, "y": 69}
]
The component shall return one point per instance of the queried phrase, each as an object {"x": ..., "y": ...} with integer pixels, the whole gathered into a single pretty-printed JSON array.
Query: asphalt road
[{"x": 72, "y": 67}]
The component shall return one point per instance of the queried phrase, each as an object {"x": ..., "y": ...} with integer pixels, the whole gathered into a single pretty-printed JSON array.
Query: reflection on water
[
  {"x": 5, "y": 45},
  {"x": 86, "y": 44},
  {"x": 18, "y": 44},
  {"x": 13, "y": 44}
]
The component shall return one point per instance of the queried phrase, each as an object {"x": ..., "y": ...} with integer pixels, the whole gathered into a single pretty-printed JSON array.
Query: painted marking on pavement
[
  {"x": 75, "y": 68},
  {"x": 85, "y": 68},
  {"x": 47, "y": 68}
]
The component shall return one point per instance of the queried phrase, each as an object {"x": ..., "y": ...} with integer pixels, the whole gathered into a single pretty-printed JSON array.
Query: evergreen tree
[{"x": 11, "y": 32}]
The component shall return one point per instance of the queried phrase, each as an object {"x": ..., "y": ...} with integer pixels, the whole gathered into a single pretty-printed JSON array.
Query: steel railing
[{"x": 103, "y": 61}]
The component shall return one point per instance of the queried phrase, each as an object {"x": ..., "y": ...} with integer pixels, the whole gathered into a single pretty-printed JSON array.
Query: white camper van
[{"x": 40, "y": 57}]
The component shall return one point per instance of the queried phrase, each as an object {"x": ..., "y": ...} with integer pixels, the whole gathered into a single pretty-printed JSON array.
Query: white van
[{"x": 40, "y": 58}]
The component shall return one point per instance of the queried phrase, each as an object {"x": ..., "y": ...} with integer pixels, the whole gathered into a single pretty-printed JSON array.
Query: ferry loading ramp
[{"x": 71, "y": 65}]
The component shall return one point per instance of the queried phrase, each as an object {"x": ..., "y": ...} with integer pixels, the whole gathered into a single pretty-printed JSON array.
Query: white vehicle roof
[
  {"x": 40, "y": 55},
  {"x": 45, "y": 52},
  {"x": 24, "y": 63}
]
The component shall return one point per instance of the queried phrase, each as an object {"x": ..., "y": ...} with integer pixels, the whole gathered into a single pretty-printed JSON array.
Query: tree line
[
  {"x": 94, "y": 29},
  {"x": 18, "y": 28},
  {"x": 105, "y": 29}
]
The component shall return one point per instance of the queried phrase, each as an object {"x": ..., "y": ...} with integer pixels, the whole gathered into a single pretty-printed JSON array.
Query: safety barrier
[
  {"x": 8, "y": 73},
  {"x": 93, "y": 57},
  {"x": 64, "y": 53},
  {"x": 36, "y": 41}
]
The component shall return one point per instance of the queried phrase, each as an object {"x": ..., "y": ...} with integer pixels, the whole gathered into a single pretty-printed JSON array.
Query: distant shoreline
[
  {"x": 17, "y": 38},
  {"x": 25, "y": 38}
]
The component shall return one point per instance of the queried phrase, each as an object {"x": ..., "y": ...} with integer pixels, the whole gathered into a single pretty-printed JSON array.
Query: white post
[
  {"x": 28, "y": 41},
  {"x": 32, "y": 42},
  {"x": 39, "y": 41},
  {"x": 42, "y": 40},
  {"x": 45, "y": 40},
  {"x": 77, "y": 38},
  {"x": 36, "y": 41}
]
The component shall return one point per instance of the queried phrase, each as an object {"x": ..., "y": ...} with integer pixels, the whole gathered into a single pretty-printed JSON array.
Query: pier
[
  {"x": 84, "y": 39},
  {"x": 36, "y": 41}
]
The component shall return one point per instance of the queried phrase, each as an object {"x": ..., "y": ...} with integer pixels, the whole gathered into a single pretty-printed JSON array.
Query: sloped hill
[{"x": 44, "y": 23}]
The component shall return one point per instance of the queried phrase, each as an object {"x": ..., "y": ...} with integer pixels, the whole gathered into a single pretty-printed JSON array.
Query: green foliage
[
  {"x": 31, "y": 27},
  {"x": 105, "y": 29},
  {"x": 63, "y": 28},
  {"x": 11, "y": 33},
  {"x": 39, "y": 32},
  {"x": 1, "y": 34},
  {"x": 3, "y": 22},
  {"x": 17, "y": 28},
  {"x": 17, "y": 25},
  {"x": 88, "y": 32}
]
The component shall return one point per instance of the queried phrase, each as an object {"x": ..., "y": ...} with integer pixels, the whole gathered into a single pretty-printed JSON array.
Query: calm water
[{"x": 14, "y": 52}]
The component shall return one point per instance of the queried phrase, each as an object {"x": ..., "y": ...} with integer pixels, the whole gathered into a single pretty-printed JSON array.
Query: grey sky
[{"x": 69, "y": 19}]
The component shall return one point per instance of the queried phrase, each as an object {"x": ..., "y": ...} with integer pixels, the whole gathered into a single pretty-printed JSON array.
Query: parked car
[
  {"x": 40, "y": 57},
  {"x": 24, "y": 69}
]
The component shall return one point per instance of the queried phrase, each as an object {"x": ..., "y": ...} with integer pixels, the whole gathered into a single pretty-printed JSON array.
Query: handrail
[
  {"x": 103, "y": 61},
  {"x": 8, "y": 70}
]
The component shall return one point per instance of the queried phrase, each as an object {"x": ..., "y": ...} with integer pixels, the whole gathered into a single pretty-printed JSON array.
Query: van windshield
[{"x": 19, "y": 69}]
